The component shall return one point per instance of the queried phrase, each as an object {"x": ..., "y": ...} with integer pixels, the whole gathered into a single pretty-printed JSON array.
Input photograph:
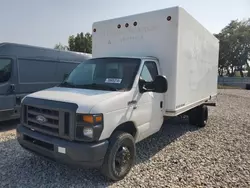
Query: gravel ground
[{"x": 179, "y": 155}]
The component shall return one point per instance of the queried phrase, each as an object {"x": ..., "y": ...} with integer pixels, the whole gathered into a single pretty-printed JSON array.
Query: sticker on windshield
[{"x": 113, "y": 80}]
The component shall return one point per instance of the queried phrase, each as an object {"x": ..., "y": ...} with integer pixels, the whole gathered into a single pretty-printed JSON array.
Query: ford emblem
[{"x": 41, "y": 119}]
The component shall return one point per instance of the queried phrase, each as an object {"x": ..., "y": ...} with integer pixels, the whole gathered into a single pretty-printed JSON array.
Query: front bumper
[{"x": 87, "y": 155}]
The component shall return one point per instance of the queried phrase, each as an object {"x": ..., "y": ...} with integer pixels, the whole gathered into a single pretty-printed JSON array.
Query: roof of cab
[{"x": 131, "y": 57}]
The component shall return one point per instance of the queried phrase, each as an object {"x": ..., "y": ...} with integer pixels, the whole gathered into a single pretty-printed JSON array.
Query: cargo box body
[{"x": 186, "y": 51}]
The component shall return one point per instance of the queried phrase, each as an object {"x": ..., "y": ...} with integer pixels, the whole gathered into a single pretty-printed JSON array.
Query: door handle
[
  {"x": 12, "y": 89},
  {"x": 132, "y": 102}
]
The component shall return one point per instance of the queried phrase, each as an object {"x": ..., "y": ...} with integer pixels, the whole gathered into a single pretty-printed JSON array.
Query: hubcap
[{"x": 122, "y": 160}]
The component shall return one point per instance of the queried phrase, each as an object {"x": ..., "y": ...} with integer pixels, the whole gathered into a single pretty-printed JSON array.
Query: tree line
[
  {"x": 234, "y": 52},
  {"x": 79, "y": 43},
  {"x": 234, "y": 48}
]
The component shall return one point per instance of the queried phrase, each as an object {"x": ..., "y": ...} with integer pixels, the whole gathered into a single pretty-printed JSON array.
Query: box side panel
[
  {"x": 197, "y": 65},
  {"x": 154, "y": 35}
]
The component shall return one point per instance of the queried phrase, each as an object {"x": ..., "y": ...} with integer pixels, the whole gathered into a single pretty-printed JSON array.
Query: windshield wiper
[
  {"x": 88, "y": 86},
  {"x": 67, "y": 84},
  {"x": 99, "y": 86}
]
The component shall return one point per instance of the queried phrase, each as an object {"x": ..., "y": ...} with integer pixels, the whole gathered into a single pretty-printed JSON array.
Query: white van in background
[{"x": 25, "y": 69}]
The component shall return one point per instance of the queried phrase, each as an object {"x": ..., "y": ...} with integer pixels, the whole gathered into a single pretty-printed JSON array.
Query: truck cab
[{"x": 77, "y": 120}]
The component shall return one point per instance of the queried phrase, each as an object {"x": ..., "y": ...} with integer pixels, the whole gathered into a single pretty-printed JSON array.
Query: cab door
[{"x": 149, "y": 105}]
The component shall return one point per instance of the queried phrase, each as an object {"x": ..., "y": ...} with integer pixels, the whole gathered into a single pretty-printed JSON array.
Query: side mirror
[
  {"x": 159, "y": 85},
  {"x": 65, "y": 76}
]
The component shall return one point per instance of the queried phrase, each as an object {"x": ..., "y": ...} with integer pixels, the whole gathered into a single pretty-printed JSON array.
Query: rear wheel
[
  {"x": 199, "y": 116},
  {"x": 120, "y": 156},
  {"x": 203, "y": 116}
]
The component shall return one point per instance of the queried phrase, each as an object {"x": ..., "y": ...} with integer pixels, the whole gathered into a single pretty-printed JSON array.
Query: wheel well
[{"x": 128, "y": 127}]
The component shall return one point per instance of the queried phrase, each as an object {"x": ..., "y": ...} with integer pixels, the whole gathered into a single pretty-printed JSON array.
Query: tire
[
  {"x": 199, "y": 116},
  {"x": 203, "y": 116},
  {"x": 120, "y": 143},
  {"x": 193, "y": 117},
  {"x": 247, "y": 86}
]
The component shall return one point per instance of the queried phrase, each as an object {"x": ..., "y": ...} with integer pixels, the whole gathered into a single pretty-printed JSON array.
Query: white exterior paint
[
  {"x": 84, "y": 98},
  {"x": 184, "y": 52},
  {"x": 148, "y": 116},
  {"x": 187, "y": 52}
]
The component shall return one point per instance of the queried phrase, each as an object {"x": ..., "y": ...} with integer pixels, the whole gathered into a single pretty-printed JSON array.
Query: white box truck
[{"x": 144, "y": 67}]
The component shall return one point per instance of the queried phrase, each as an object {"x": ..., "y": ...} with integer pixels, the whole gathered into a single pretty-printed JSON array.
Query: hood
[{"x": 84, "y": 98}]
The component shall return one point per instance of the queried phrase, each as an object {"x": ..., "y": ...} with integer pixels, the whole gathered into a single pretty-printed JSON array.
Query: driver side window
[{"x": 149, "y": 71}]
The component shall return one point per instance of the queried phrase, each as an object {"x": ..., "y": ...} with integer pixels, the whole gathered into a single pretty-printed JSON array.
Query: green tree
[
  {"x": 234, "y": 46},
  {"x": 80, "y": 43},
  {"x": 60, "y": 46},
  {"x": 248, "y": 73}
]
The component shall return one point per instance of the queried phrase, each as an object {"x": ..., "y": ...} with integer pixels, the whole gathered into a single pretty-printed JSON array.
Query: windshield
[
  {"x": 104, "y": 74},
  {"x": 5, "y": 69}
]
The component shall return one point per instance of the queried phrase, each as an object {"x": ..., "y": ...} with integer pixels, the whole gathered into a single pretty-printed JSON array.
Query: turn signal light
[{"x": 92, "y": 119}]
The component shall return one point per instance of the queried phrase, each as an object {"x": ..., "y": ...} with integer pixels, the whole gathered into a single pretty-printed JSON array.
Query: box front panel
[{"x": 148, "y": 34}]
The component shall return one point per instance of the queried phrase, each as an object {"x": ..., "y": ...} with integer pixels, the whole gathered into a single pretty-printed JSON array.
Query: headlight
[
  {"x": 88, "y": 132},
  {"x": 89, "y": 127}
]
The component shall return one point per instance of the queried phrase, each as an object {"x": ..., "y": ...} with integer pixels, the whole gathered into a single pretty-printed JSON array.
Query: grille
[{"x": 55, "y": 122}]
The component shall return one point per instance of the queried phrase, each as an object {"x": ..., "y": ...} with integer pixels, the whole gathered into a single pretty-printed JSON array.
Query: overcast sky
[{"x": 47, "y": 22}]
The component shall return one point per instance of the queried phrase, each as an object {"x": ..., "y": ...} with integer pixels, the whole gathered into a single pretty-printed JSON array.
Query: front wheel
[{"x": 120, "y": 156}]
